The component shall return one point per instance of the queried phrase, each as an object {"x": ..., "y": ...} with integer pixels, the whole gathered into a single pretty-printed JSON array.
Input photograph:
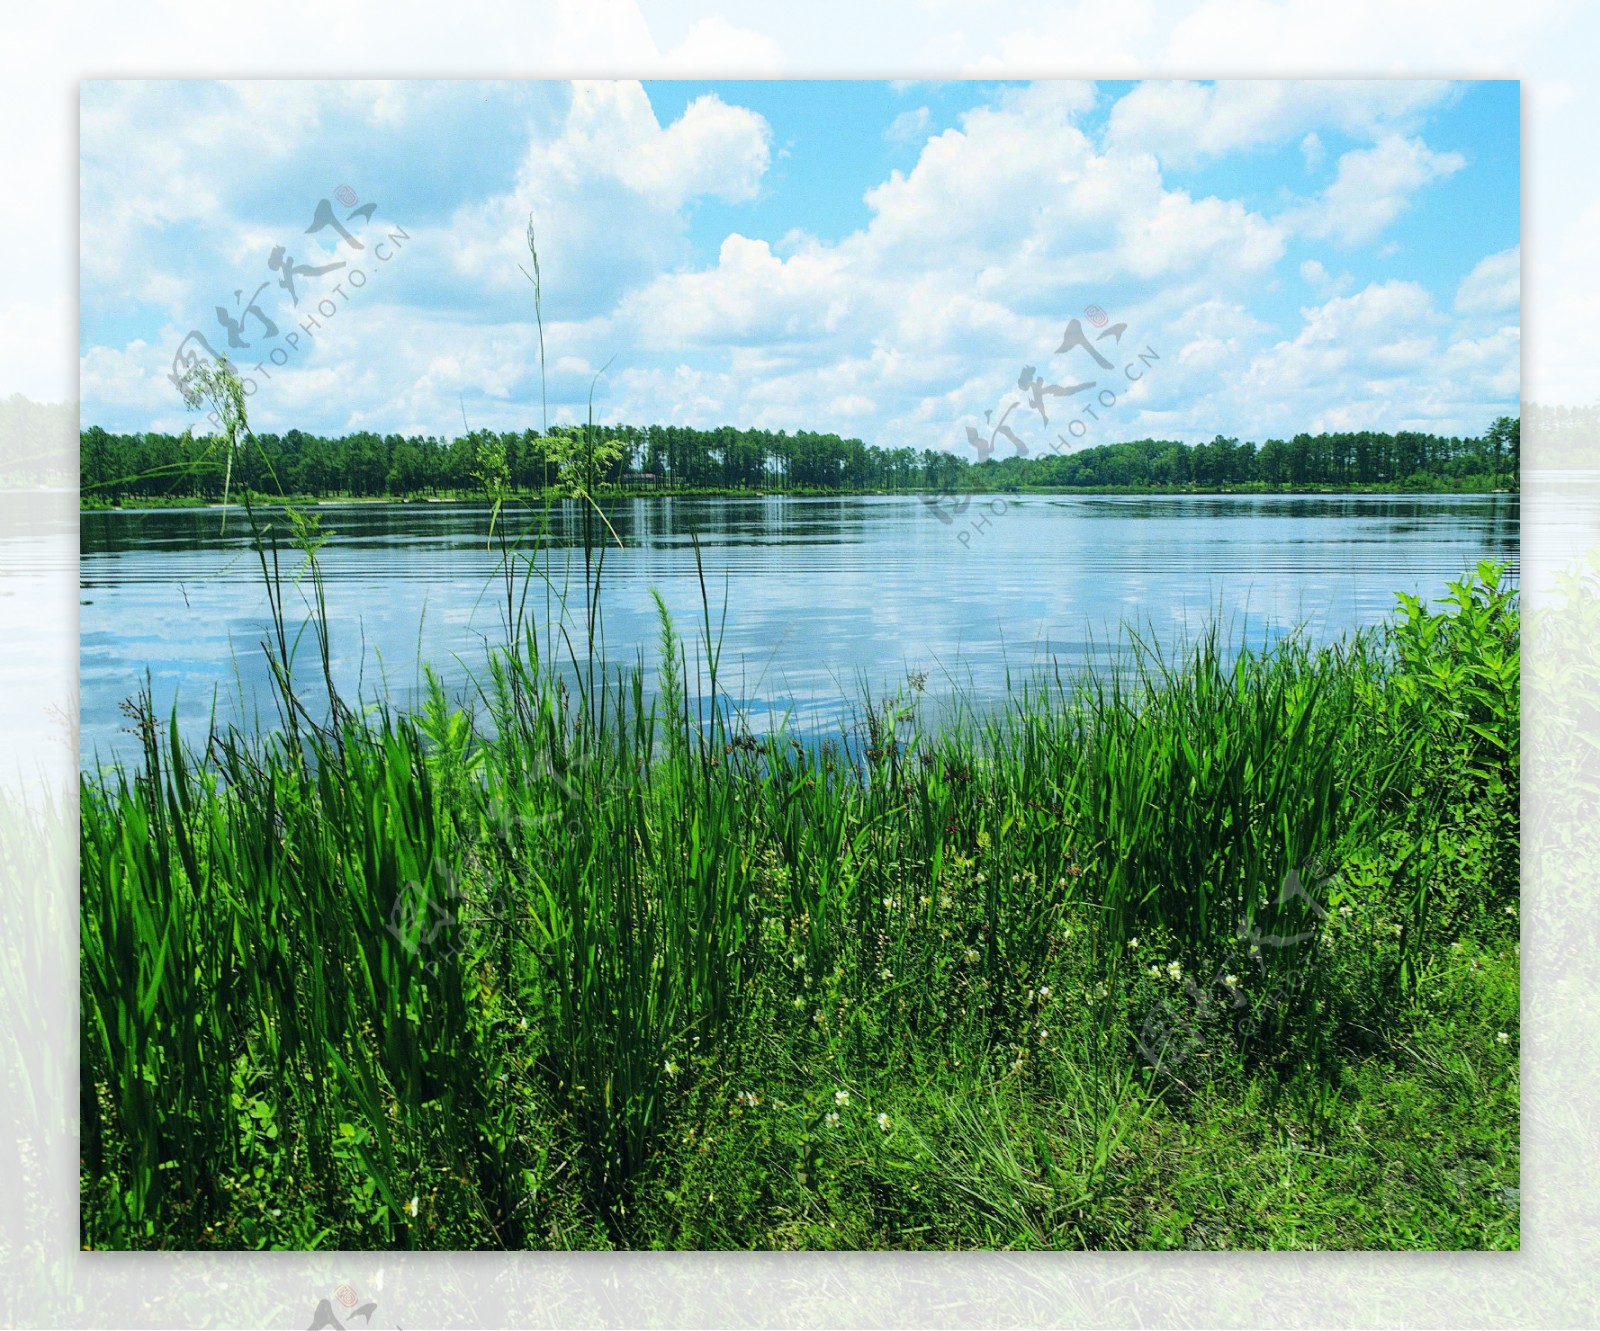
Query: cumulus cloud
[
  {"x": 1027, "y": 209},
  {"x": 1184, "y": 124},
  {"x": 1384, "y": 357},
  {"x": 909, "y": 125},
  {"x": 1374, "y": 186},
  {"x": 1494, "y": 286},
  {"x": 1320, "y": 280},
  {"x": 714, "y": 44},
  {"x": 712, "y": 149}
]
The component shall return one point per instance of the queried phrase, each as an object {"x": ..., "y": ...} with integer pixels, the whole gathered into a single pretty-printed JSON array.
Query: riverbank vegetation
[
  {"x": 1212, "y": 946},
  {"x": 154, "y": 468}
]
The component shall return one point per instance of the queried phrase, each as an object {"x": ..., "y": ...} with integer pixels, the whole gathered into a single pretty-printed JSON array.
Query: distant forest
[{"x": 153, "y": 466}]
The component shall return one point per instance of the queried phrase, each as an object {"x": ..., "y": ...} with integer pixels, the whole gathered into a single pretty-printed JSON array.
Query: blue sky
[{"x": 877, "y": 259}]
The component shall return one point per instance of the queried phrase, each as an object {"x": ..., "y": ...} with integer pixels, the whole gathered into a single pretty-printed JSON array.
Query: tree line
[{"x": 364, "y": 464}]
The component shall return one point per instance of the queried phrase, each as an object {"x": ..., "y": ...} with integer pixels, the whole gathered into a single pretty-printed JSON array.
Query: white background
[{"x": 1551, "y": 46}]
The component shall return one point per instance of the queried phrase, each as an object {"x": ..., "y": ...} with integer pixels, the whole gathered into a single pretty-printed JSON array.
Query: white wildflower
[{"x": 841, "y": 1098}]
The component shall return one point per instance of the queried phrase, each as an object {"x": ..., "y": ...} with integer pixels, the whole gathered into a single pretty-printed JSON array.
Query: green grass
[{"x": 1206, "y": 948}]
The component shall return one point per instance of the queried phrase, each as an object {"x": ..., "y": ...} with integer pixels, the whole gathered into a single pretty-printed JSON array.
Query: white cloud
[
  {"x": 1187, "y": 123},
  {"x": 1320, "y": 280},
  {"x": 712, "y": 149},
  {"x": 1373, "y": 187},
  {"x": 909, "y": 125},
  {"x": 1312, "y": 150},
  {"x": 1381, "y": 358},
  {"x": 713, "y": 46},
  {"x": 967, "y": 266},
  {"x": 971, "y": 257},
  {"x": 1494, "y": 286}
]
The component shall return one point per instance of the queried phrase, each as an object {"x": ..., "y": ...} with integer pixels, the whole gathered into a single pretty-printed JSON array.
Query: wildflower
[
  {"x": 886, "y": 973},
  {"x": 412, "y": 1206},
  {"x": 1133, "y": 945},
  {"x": 1043, "y": 1035},
  {"x": 972, "y": 955},
  {"x": 945, "y": 903},
  {"x": 1511, "y": 910},
  {"x": 1044, "y": 993},
  {"x": 841, "y": 1098},
  {"x": 888, "y": 902},
  {"x": 981, "y": 878},
  {"x": 1346, "y": 910},
  {"x": 1154, "y": 971},
  {"x": 1232, "y": 981},
  {"x": 832, "y": 1118},
  {"x": 883, "y": 1122},
  {"x": 923, "y": 901},
  {"x": 672, "y": 1068},
  {"x": 749, "y": 1099},
  {"x": 1061, "y": 882},
  {"x": 799, "y": 1002},
  {"x": 1503, "y": 1038},
  {"x": 1016, "y": 878},
  {"x": 1174, "y": 970}
]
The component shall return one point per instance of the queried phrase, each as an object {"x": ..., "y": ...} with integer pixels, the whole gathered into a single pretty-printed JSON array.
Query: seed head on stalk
[{"x": 218, "y": 387}]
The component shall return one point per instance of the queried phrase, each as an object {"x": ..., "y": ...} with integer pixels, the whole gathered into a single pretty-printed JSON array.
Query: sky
[{"x": 875, "y": 259}]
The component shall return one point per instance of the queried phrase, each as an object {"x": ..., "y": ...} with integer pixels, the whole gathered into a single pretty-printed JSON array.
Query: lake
[{"x": 824, "y": 597}]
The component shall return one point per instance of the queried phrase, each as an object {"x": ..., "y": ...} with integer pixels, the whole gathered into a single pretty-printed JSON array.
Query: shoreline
[{"x": 552, "y": 497}]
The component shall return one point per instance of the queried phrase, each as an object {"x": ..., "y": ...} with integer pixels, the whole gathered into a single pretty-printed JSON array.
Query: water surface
[{"x": 824, "y": 596}]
